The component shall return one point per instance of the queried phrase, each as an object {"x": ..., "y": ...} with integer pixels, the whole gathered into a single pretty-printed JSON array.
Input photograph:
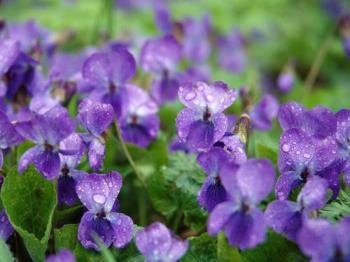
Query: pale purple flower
[
  {"x": 160, "y": 56},
  {"x": 139, "y": 122},
  {"x": 285, "y": 81},
  {"x": 286, "y": 216},
  {"x": 239, "y": 217},
  {"x": 156, "y": 243},
  {"x": 108, "y": 73},
  {"x": 264, "y": 112},
  {"x": 95, "y": 117},
  {"x": 203, "y": 122},
  {"x": 63, "y": 255},
  {"x": 6, "y": 228},
  {"x": 47, "y": 131},
  {"x": 98, "y": 193}
]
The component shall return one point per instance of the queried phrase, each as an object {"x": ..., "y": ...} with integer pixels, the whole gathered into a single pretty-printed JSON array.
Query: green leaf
[
  {"x": 202, "y": 248},
  {"x": 227, "y": 253},
  {"x": 337, "y": 209},
  {"x": 175, "y": 189},
  {"x": 275, "y": 248},
  {"x": 30, "y": 202},
  {"x": 5, "y": 253}
]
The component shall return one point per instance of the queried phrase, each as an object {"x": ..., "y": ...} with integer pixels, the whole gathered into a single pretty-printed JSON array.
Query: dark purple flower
[
  {"x": 8, "y": 135},
  {"x": 98, "y": 193},
  {"x": 231, "y": 53},
  {"x": 233, "y": 146},
  {"x": 108, "y": 72},
  {"x": 264, "y": 112},
  {"x": 95, "y": 117},
  {"x": 202, "y": 123},
  {"x": 160, "y": 57},
  {"x": 214, "y": 162},
  {"x": 63, "y": 256},
  {"x": 196, "y": 45},
  {"x": 285, "y": 81},
  {"x": 6, "y": 228},
  {"x": 46, "y": 131},
  {"x": 318, "y": 121},
  {"x": 139, "y": 122},
  {"x": 239, "y": 217},
  {"x": 323, "y": 241},
  {"x": 176, "y": 145},
  {"x": 68, "y": 173},
  {"x": 302, "y": 155},
  {"x": 157, "y": 243},
  {"x": 286, "y": 217}
]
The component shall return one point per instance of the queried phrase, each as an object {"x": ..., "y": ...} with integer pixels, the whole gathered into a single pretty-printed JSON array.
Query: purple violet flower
[
  {"x": 264, "y": 112},
  {"x": 68, "y": 173},
  {"x": 285, "y": 81},
  {"x": 108, "y": 72},
  {"x": 160, "y": 57},
  {"x": 301, "y": 156},
  {"x": 98, "y": 193},
  {"x": 95, "y": 117},
  {"x": 231, "y": 53},
  {"x": 8, "y": 135},
  {"x": 46, "y": 131},
  {"x": 202, "y": 123},
  {"x": 323, "y": 241},
  {"x": 214, "y": 162},
  {"x": 156, "y": 243},
  {"x": 196, "y": 45},
  {"x": 239, "y": 217},
  {"x": 139, "y": 122},
  {"x": 286, "y": 217},
  {"x": 63, "y": 256}
]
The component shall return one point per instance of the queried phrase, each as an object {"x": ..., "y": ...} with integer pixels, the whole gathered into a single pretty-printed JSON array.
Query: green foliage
[
  {"x": 337, "y": 209},
  {"x": 174, "y": 189},
  {"x": 225, "y": 252},
  {"x": 5, "y": 253},
  {"x": 30, "y": 201},
  {"x": 275, "y": 248},
  {"x": 201, "y": 248}
]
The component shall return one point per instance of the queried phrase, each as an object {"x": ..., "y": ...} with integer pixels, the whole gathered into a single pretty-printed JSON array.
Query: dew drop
[
  {"x": 286, "y": 147},
  {"x": 100, "y": 199},
  {"x": 190, "y": 96}
]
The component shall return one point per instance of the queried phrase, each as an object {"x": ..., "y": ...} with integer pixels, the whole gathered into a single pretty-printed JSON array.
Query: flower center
[
  {"x": 112, "y": 87},
  {"x": 206, "y": 115}
]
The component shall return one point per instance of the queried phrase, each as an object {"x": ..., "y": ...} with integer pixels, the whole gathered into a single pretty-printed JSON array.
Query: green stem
[
  {"x": 316, "y": 65},
  {"x": 142, "y": 208},
  {"x": 177, "y": 220},
  {"x": 109, "y": 11},
  {"x": 127, "y": 153}
]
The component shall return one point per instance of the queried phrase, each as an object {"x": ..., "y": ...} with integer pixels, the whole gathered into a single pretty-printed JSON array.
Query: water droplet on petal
[
  {"x": 286, "y": 147},
  {"x": 100, "y": 199},
  {"x": 190, "y": 96}
]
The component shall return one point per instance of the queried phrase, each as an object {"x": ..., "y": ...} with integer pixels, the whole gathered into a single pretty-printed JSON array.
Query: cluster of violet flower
[{"x": 37, "y": 81}]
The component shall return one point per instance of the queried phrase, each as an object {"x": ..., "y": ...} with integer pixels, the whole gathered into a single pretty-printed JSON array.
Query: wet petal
[
  {"x": 92, "y": 227},
  {"x": 154, "y": 241},
  {"x": 95, "y": 117},
  {"x": 317, "y": 239},
  {"x": 66, "y": 190},
  {"x": 96, "y": 154},
  {"x": 177, "y": 250},
  {"x": 160, "y": 54},
  {"x": 284, "y": 217},
  {"x": 264, "y": 112},
  {"x": 122, "y": 229},
  {"x": 28, "y": 158},
  {"x": 8, "y": 134},
  {"x": 99, "y": 192},
  {"x": 313, "y": 196},
  {"x": 200, "y": 96},
  {"x": 286, "y": 182},
  {"x": 9, "y": 51},
  {"x": 255, "y": 179},
  {"x": 211, "y": 193},
  {"x": 220, "y": 216},
  {"x": 116, "y": 67},
  {"x": 48, "y": 163},
  {"x": 246, "y": 230},
  {"x": 184, "y": 121}
]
